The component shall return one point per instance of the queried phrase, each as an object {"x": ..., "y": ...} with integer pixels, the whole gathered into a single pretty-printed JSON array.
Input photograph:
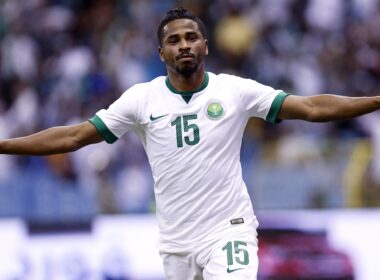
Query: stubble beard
[{"x": 187, "y": 70}]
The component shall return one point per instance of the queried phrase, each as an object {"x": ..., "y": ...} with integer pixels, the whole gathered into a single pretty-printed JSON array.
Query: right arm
[
  {"x": 327, "y": 107},
  {"x": 55, "y": 140}
]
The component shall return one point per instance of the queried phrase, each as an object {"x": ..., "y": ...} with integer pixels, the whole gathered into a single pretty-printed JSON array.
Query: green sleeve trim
[
  {"x": 103, "y": 130},
  {"x": 276, "y": 107}
]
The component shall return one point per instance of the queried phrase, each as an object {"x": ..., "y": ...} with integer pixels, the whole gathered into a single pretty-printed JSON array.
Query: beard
[{"x": 187, "y": 69}]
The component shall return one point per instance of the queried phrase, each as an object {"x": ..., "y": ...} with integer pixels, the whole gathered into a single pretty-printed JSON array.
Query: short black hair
[{"x": 178, "y": 13}]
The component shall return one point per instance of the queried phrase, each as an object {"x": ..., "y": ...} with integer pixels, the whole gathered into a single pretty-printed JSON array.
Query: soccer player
[{"x": 191, "y": 124}]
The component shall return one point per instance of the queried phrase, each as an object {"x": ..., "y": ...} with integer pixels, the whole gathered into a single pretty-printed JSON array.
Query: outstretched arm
[
  {"x": 327, "y": 107},
  {"x": 60, "y": 139}
]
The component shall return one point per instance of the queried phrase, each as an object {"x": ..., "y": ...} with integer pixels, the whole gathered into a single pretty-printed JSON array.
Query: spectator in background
[
  {"x": 202, "y": 202},
  {"x": 20, "y": 54},
  {"x": 288, "y": 40},
  {"x": 234, "y": 37}
]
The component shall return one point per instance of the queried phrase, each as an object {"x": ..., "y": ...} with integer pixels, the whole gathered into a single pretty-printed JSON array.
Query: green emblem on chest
[{"x": 215, "y": 110}]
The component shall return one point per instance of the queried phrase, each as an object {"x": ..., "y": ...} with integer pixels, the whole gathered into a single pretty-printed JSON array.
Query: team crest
[{"x": 215, "y": 110}]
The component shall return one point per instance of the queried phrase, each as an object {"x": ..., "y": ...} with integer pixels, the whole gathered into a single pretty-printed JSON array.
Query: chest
[{"x": 171, "y": 124}]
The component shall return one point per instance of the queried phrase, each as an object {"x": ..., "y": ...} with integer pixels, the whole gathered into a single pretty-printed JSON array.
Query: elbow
[
  {"x": 71, "y": 146},
  {"x": 316, "y": 116},
  {"x": 74, "y": 146},
  {"x": 317, "y": 119}
]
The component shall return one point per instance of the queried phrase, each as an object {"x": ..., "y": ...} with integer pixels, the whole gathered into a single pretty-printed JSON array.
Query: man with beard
[{"x": 191, "y": 123}]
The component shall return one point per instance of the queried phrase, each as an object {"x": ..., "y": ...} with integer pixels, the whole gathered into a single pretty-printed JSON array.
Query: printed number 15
[
  {"x": 242, "y": 259},
  {"x": 186, "y": 127}
]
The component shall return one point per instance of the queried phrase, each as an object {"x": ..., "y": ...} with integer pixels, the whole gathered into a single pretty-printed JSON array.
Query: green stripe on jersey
[
  {"x": 275, "y": 108},
  {"x": 103, "y": 129}
]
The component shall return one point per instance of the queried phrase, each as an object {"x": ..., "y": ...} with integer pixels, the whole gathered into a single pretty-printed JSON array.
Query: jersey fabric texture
[{"x": 193, "y": 141}]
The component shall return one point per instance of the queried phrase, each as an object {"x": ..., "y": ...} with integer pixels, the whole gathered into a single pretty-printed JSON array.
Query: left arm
[{"x": 327, "y": 107}]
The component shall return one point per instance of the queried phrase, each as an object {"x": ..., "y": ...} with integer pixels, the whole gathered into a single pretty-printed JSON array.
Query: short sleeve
[
  {"x": 259, "y": 100},
  {"x": 119, "y": 118}
]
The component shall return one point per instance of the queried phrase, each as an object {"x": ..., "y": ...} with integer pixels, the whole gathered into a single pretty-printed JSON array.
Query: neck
[{"x": 186, "y": 83}]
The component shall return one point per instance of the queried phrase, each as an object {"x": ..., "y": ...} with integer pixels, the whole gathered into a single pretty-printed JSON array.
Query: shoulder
[
  {"x": 225, "y": 76},
  {"x": 222, "y": 77},
  {"x": 221, "y": 80},
  {"x": 142, "y": 90},
  {"x": 231, "y": 78},
  {"x": 238, "y": 83}
]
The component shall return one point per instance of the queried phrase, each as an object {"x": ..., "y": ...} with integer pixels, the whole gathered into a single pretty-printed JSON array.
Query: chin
[{"x": 187, "y": 70}]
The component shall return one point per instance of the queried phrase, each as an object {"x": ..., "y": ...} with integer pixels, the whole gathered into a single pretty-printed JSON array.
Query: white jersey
[{"x": 193, "y": 142}]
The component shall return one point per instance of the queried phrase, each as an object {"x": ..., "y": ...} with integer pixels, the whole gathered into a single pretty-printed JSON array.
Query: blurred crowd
[{"x": 63, "y": 60}]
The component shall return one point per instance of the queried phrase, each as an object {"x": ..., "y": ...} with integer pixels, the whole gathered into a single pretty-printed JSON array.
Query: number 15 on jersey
[{"x": 185, "y": 124}]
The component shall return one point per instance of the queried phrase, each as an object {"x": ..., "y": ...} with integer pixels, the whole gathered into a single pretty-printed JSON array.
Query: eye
[
  {"x": 193, "y": 37},
  {"x": 172, "y": 41}
]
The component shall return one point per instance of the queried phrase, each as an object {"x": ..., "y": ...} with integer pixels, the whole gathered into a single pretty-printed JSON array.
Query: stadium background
[{"x": 63, "y": 60}]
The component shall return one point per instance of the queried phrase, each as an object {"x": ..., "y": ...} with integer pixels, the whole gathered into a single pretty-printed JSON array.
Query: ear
[
  {"x": 161, "y": 53},
  {"x": 206, "y": 43}
]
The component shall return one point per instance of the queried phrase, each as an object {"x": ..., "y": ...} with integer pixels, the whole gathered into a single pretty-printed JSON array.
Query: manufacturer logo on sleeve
[{"x": 215, "y": 110}]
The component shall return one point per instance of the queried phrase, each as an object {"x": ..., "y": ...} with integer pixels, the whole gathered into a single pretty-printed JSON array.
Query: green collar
[{"x": 187, "y": 94}]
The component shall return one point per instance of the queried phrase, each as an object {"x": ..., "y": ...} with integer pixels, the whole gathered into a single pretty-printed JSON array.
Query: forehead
[{"x": 179, "y": 26}]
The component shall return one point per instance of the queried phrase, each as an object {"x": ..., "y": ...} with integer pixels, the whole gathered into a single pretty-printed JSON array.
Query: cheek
[
  {"x": 202, "y": 51},
  {"x": 169, "y": 54}
]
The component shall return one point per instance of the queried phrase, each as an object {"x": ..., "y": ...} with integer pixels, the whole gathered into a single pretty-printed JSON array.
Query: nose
[{"x": 183, "y": 45}]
